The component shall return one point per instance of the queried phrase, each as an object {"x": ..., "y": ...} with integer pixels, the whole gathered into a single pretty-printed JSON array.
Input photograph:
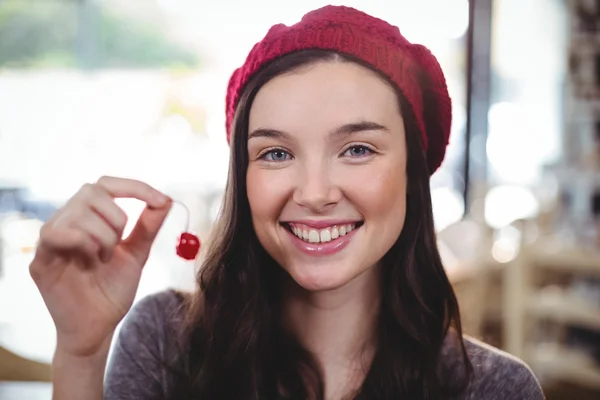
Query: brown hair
[{"x": 236, "y": 347}]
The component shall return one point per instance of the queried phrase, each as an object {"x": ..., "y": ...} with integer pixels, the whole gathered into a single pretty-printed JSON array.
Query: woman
[{"x": 323, "y": 280}]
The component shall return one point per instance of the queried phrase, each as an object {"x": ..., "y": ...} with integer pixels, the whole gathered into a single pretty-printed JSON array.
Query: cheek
[
  {"x": 382, "y": 192},
  {"x": 266, "y": 194}
]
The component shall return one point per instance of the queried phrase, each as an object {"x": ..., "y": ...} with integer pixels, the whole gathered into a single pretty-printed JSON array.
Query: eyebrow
[
  {"x": 361, "y": 126},
  {"x": 344, "y": 130}
]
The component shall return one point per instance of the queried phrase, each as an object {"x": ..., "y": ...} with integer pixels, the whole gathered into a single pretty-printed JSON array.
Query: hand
[{"x": 86, "y": 273}]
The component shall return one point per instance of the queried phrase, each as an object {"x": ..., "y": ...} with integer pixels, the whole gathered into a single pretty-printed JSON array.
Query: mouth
[
  {"x": 322, "y": 233},
  {"x": 322, "y": 238}
]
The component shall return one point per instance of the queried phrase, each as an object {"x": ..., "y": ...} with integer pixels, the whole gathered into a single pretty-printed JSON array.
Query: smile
[
  {"x": 322, "y": 238},
  {"x": 328, "y": 234}
]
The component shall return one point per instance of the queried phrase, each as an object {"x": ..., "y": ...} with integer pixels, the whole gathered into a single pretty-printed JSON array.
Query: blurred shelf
[
  {"x": 565, "y": 309},
  {"x": 565, "y": 365},
  {"x": 578, "y": 260},
  {"x": 460, "y": 272},
  {"x": 16, "y": 368}
]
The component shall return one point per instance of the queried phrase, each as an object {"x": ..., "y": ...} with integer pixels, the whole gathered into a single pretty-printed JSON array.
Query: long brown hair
[{"x": 236, "y": 347}]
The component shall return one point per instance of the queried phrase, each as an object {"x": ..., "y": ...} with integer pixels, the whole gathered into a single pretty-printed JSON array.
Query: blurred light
[
  {"x": 506, "y": 204},
  {"x": 517, "y": 144},
  {"x": 516, "y": 33},
  {"x": 258, "y": 14},
  {"x": 415, "y": 18},
  {"x": 527, "y": 136},
  {"x": 454, "y": 15},
  {"x": 506, "y": 244},
  {"x": 177, "y": 6},
  {"x": 448, "y": 207},
  {"x": 175, "y": 127},
  {"x": 504, "y": 251}
]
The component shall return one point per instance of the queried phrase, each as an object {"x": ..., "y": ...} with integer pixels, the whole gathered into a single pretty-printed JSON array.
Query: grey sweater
[{"x": 137, "y": 368}]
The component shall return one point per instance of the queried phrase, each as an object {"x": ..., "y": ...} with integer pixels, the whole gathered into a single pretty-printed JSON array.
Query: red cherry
[{"x": 188, "y": 246}]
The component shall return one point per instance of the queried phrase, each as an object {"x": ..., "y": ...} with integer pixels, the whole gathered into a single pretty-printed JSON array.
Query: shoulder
[
  {"x": 145, "y": 355},
  {"x": 157, "y": 309},
  {"x": 499, "y": 375},
  {"x": 154, "y": 322}
]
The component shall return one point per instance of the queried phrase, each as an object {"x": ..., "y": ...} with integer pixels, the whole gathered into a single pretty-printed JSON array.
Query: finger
[
  {"x": 59, "y": 241},
  {"x": 69, "y": 239},
  {"x": 99, "y": 230},
  {"x": 122, "y": 187},
  {"x": 145, "y": 230},
  {"x": 103, "y": 204}
]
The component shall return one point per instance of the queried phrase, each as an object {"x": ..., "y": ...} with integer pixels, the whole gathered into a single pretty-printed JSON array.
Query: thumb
[{"x": 139, "y": 242}]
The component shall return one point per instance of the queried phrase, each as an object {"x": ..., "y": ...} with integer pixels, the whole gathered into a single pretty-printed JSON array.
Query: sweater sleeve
[{"x": 138, "y": 366}]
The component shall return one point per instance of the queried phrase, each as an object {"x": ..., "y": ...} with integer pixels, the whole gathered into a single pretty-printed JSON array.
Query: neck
[{"x": 337, "y": 327}]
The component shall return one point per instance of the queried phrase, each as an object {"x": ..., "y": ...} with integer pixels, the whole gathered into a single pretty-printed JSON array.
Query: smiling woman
[
  {"x": 323, "y": 279},
  {"x": 337, "y": 166}
]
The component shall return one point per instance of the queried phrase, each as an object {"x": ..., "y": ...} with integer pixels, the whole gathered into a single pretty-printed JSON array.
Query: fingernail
[{"x": 161, "y": 199}]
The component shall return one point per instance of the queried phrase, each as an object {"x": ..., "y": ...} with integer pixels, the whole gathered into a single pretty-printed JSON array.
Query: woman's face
[{"x": 326, "y": 179}]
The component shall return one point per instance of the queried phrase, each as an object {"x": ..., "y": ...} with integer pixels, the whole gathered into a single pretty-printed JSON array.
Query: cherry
[{"x": 188, "y": 244}]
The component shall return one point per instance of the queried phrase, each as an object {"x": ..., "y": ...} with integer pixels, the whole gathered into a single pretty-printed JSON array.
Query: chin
[{"x": 320, "y": 277}]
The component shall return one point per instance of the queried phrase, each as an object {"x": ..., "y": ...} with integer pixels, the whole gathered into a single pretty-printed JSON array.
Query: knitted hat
[{"x": 412, "y": 67}]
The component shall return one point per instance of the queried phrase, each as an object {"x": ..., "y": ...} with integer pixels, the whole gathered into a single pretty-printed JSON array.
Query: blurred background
[{"x": 136, "y": 89}]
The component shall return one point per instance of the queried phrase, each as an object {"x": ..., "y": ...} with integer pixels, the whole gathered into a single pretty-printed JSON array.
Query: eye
[
  {"x": 276, "y": 155},
  {"x": 358, "y": 151}
]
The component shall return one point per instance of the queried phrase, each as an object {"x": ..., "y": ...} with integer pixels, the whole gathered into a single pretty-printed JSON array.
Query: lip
[
  {"x": 323, "y": 223},
  {"x": 323, "y": 249}
]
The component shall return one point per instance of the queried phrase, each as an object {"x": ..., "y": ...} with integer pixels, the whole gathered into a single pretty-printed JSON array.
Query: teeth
[
  {"x": 335, "y": 233},
  {"x": 322, "y": 235},
  {"x": 325, "y": 236}
]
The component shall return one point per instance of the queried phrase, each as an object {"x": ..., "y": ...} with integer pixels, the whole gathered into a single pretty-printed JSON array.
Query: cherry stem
[{"x": 187, "y": 210}]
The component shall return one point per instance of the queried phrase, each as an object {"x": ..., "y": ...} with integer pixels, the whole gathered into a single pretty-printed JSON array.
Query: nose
[{"x": 316, "y": 189}]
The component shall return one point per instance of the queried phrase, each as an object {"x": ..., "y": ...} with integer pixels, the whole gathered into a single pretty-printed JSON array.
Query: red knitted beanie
[{"x": 412, "y": 67}]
